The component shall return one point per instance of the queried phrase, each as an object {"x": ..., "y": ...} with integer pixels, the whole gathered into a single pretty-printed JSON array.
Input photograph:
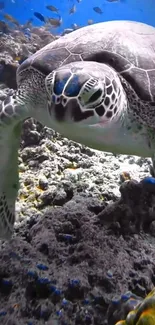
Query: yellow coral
[{"x": 144, "y": 313}]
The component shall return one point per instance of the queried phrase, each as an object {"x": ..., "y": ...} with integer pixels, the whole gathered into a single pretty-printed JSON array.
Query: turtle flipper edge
[{"x": 10, "y": 131}]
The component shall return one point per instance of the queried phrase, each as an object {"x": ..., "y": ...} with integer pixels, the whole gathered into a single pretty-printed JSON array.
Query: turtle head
[{"x": 88, "y": 93}]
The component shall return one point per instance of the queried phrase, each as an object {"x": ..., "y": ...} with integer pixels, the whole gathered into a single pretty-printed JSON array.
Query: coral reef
[{"x": 85, "y": 225}]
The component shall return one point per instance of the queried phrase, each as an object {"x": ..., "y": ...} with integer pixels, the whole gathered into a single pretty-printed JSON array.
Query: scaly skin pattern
[
  {"x": 11, "y": 115},
  {"x": 143, "y": 314},
  {"x": 94, "y": 86}
]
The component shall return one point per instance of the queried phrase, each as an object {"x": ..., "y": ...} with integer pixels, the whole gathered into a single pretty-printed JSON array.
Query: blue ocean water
[{"x": 139, "y": 10}]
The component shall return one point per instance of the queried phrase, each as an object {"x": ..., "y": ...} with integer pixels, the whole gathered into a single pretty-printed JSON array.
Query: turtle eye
[
  {"x": 95, "y": 96},
  {"x": 91, "y": 94}
]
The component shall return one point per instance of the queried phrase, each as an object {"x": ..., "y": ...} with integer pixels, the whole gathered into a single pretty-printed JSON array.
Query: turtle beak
[{"x": 70, "y": 112}]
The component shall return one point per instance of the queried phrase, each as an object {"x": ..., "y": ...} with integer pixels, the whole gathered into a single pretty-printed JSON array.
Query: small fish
[
  {"x": 39, "y": 16},
  {"x": 67, "y": 31},
  {"x": 55, "y": 22},
  {"x": 4, "y": 28},
  {"x": 90, "y": 21},
  {"x": 72, "y": 10},
  {"x": 98, "y": 10},
  {"x": 2, "y": 5},
  {"x": 28, "y": 23},
  {"x": 112, "y": 0},
  {"x": 11, "y": 19},
  {"x": 79, "y": 1},
  {"x": 75, "y": 26},
  {"x": 27, "y": 33},
  {"x": 52, "y": 8}
]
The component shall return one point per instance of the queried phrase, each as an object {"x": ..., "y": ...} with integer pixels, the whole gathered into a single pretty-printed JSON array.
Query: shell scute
[{"x": 128, "y": 47}]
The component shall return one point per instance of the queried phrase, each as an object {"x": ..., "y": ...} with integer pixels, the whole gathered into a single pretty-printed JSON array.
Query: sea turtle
[{"x": 95, "y": 86}]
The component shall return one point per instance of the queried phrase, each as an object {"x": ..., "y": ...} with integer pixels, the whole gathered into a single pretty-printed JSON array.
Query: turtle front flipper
[{"x": 10, "y": 131}]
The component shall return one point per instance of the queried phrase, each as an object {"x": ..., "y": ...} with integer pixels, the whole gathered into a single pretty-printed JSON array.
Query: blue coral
[
  {"x": 42, "y": 267},
  {"x": 3, "y": 313},
  {"x": 43, "y": 281}
]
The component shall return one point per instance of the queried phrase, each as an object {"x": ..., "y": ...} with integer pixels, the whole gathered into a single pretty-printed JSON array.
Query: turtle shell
[{"x": 129, "y": 47}]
